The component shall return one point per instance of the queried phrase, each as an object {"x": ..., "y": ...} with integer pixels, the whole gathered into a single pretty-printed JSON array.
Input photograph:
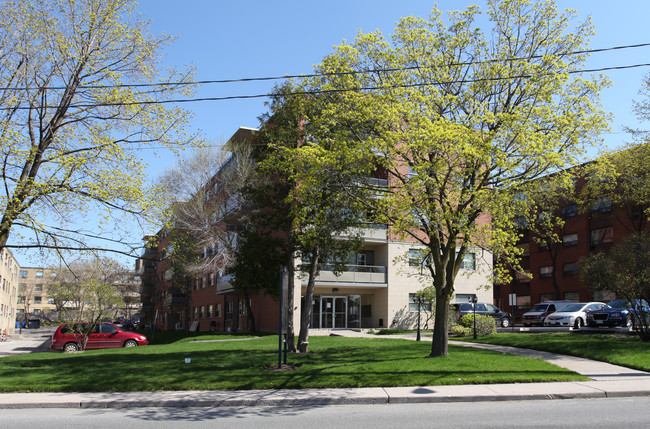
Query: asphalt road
[{"x": 564, "y": 413}]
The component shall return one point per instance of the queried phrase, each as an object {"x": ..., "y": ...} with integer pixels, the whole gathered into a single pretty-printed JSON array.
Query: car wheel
[
  {"x": 578, "y": 323},
  {"x": 71, "y": 347},
  {"x": 505, "y": 322},
  {"x": 130, "y": 343}
]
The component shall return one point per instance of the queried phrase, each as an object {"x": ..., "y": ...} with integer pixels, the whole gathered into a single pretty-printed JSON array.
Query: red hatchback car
[{"x": 104, "y": 336}]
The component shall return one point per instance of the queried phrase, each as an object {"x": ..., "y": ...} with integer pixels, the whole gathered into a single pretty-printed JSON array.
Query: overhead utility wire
[
  {"x": 354, "y": 72},
  {"x": 329, "y": 91}
]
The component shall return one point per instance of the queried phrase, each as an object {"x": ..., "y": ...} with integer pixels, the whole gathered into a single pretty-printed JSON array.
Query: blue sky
[
  {"x": 227, "y": 39},
  {"x": 234, "y": 39}
]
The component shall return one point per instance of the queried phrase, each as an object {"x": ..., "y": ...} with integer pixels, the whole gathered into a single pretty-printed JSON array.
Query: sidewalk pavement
[{"x": 606, "y": 381}]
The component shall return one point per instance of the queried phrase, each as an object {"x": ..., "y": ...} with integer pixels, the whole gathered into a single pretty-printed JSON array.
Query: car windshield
[
  {"x": 617, "y": 303},
  {"x": 571, "y": 308}
]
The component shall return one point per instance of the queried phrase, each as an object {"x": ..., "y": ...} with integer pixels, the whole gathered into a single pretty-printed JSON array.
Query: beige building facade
[
  {"x": 33, "y": 299},
  {"x": 9, "y": 270}
]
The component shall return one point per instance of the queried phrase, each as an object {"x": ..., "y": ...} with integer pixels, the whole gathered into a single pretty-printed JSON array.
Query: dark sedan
[{"x": 616, "y": 313}]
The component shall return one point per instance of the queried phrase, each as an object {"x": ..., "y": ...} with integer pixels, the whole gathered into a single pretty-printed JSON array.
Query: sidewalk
[{"x": 606, "y": 381}]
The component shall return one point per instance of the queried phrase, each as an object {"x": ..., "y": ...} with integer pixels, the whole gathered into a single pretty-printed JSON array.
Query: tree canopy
[
  {"x": 81, "y": 98},
  {"x": 460, "y": 122}
]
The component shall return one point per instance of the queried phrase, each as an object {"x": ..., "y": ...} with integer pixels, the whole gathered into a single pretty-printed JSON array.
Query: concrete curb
[{"x": 311, "y": 397}]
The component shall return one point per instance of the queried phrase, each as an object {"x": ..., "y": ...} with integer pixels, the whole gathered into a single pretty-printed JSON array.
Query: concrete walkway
[{"x": 606, "y": 380}]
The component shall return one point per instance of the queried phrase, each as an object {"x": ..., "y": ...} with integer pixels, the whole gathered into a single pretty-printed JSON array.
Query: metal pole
[
  {"x": 474, "y": 301},
  {"x": 280, "y": 320},
  {"x": 419, "y": 302}
]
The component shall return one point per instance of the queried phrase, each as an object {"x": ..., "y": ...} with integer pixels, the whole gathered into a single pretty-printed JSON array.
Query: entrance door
[{"x": 334, "y": 311}]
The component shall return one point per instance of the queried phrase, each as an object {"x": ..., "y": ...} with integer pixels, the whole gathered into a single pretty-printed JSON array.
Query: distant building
[
  {"x": 9, "y": 270},
  {"x": 34, "y": 302}
]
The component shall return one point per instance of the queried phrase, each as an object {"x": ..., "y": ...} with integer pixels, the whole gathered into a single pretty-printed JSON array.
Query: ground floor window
[{"x": 413, "y": 303}]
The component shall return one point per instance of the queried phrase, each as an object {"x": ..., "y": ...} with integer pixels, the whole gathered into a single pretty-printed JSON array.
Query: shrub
[{"x": 485, "y": 325}]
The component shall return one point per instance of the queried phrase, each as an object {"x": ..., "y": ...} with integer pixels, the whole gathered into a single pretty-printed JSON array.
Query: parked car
[
  {"x": 67, "y": 338},
  {"x": 537, "y": 314},
  {"x": 574, "y": 315},
  {"x": 617, "y": 313},
  {"x": 502, "y": 318}
]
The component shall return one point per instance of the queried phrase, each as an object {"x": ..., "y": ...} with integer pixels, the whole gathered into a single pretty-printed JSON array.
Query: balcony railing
[{"x": 354, "y": 274}]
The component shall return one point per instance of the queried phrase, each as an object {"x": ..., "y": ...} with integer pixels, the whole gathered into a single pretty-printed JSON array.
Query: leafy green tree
[
  {"x": 90, "y": 292},
  {"x": 72, "y": 125},
  {"x": 322, "y": 219},
  {"x": 461, "y": 122},
  {"x": 625, "y": 270}
]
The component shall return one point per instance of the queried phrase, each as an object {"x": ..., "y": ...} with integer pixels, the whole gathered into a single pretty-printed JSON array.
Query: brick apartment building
[
  {"x": 9, "y": 270},
  {"x": 376, "y": 290},
  {"x": 597, "y": 230}
]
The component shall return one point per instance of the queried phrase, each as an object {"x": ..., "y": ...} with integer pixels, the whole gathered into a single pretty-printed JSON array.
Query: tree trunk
[
  {"x": 291, "y": 335},
  {"x": 250, "y": 317},
  {"x": 441, "y": 326},
  {"x": 306, "y": 313}
]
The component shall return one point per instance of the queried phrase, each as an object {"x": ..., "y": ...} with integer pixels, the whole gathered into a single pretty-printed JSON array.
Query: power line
[
  {"x": 354, "y": 72},
  {"x": 317, "y": 92}
]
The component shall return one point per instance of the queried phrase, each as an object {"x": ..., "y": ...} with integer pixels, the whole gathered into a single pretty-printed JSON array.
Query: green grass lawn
[
  {"x": 333, "y": 362},
  {"x": 624, "y": 351}
]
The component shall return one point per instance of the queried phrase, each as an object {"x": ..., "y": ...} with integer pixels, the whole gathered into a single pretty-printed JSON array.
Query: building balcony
[
  {"x": 172, "y": 299},
  {"x": 354, "y": 275}
]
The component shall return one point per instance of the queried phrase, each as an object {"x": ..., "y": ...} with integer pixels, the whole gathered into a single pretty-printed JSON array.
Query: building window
[
  {"x": 602, "y": 236},
  {"x": 242, "y": 308},
  {"x": 202, "y": 312},
  {"x": 22, "y": 274},
  {"x": 196, "y": 313},
  {"x": 469, "y": 262},
  {"x": 569, "y": 211},
  {"x": 211, "y": 280},
  {"x": 38, "y": 288},
  {"x": 37, "y": 300},
  {"x": 570, "y": 240},
  {"x": 525, "y": 247},
  {"x": 202, "y": 282},
  {"x": 196, "y": 284},
  {"x": 602, "y": 205},
  {"x": 217, "y": 310},
  {"x": 545, "y": 272},
  {"x": 39, "y": 274},
  {"x": 416, "y": 257},
  {"x": 413, "y": 303},
  {"x": 570, "y": 269},
  {"x": 210, "y": 307},
  {"x": 572, "y": 296},
  {"x": 21, "y": 300},
  {"x": 50, "y": 301}
]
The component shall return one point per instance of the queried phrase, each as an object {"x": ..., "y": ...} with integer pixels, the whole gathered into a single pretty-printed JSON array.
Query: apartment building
[
  {"x": 554, "y": 267},
  {"x": 9, "y": 270},
  {"x": 33, "y": 299},
  {"x": 377, "y": 288}
]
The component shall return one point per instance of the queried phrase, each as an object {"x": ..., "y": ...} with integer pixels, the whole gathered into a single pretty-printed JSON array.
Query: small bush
[
  {"x": 485, "y": 325},
  {"x": 460, "y": 331}
]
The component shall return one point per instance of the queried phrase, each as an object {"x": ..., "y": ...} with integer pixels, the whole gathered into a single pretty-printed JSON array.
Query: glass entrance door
[{"x": 334, "y": 311}]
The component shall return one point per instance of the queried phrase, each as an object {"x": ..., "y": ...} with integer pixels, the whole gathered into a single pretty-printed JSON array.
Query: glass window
[
  {"x": 569, "y": 211},
  {"x": 202, "y": 312},
  {"x": 469, "y": 262},
  {"x": 38, "y": 288},
  {"x": 602, "y": 236},
  {"x": 22, "y": 274},
  {"x": 39, "y": 274},
  {"x": 217, "y": 310},
  {"x": 570, "y": 269},
  {"x": 416, "y": 257},
  {"x": 413, "y": 303},
  {"x": 570, "y": 240},
  {"x": 210, "y": 308},
  {"x": 545, "y": 272},
  {"x": 37, "y": 300},
  {"x": 602, "y": 205},
  {"x": 50, "y": 301},
  {"x": 572, "y": 296}
]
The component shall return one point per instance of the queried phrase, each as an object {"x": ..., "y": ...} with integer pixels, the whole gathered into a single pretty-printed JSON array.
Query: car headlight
[{"x": 143, "y": 338}]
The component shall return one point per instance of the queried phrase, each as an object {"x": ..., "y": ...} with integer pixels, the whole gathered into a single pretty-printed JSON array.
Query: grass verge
[
  {"x": 625, "y": 351},
  {"x": 333, "y": 362}
]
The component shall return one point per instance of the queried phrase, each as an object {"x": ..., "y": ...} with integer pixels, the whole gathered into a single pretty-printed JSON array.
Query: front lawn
[
  {"x": 624, "y": 351},
  {"x": 244, "y": 364}
]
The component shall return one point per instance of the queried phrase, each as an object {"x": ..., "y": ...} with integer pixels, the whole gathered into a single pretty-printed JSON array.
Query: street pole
[
  {"x": 280, "y": 336},
  {"x": 474, "y": 300},
  {"x": 419, "y": 297}
]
